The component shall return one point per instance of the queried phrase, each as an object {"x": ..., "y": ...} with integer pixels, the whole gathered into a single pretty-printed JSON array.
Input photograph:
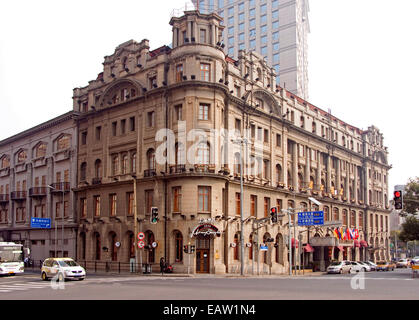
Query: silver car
[{"x": 340, "y": 267}]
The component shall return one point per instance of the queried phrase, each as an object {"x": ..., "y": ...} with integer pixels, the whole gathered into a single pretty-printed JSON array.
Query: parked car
[
  {"x": 372, "y": 265},
  {"x": 339, "y": 267},
  {"x": 356, "y": 267},
  {"x": 415, "y": 260},
  {"x": 402, "y": 263},
  {"x": 367, "y": 267},
  {"x": 62, "y": 268},
  {"x": 385, "y": 265}
]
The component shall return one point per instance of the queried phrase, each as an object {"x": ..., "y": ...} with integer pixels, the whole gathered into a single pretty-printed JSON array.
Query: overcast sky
[{"x": 363, "y": 61}]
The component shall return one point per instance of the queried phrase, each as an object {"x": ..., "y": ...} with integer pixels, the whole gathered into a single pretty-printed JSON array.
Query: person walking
[{"x": 162, "y": 265}]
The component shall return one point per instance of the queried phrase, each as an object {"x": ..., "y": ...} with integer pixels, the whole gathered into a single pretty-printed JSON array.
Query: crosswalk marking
[{"x": 9, "y": 287}]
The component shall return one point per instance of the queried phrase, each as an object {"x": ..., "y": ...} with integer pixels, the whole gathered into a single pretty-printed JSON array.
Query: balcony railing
[
  {"x": 18, "y": 195},
  {"x": 180, "y": 168},
  {"x": 96, "y": 181},
  {"x": 38, "y": 192},
  {"x": 4, "y": 197},
  {"x": 61, "y": 187},
  {"x": 149, "y": 173}
]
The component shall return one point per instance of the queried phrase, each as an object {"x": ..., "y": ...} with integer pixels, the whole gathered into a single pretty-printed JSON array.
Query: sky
[{"x": 363, "y": 61}]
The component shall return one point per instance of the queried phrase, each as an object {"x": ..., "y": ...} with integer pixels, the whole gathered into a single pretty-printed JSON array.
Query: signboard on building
[
  {"x": 323, "y": 242},
  {"x": 206, "y": 229},
  {"x": 41, "y": 223}
]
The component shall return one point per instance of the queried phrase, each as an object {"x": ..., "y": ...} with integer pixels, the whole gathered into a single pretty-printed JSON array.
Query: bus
[{"x": 11, "y": 258}]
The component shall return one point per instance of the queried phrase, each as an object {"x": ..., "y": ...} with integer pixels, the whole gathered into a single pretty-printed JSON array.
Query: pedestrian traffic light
[
  {"x": 154, "y": 215},
  {"x": 185, "y": 249},
  {"x": 398, "y": 200},
  {"x": 274, "y": 215}
]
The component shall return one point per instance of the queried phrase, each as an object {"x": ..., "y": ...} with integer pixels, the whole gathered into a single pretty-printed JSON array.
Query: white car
[
  {"x": 339, "y": 267},
  {"x": 367, "y": 267},
  {"x": 402, "y": 263},
  {"x": 62, "y": 268},
  {"x": 356, "y": 267},
  {"x": 415, "y": 260}
]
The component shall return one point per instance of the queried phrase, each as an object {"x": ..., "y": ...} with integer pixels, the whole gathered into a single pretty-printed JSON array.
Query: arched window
[
  {"x": 124, "y": 164},
  {"x": 114, "y": 248},
  {"x": 97, "y": 246},
  {"x": 335, "y": 214},
  {"x": 151, "y": 159},
  {"x": 98, "y": 168},
  {"x": 115, "y": 165},
  {"x": 203, "y": 153},
  {"x": 236, "y": 248},
  {"x": 63, "y": 143},
  {"x": 278, "y": 171},
  {"x": 360, "y": 220},
  {"x": 21, "y": 157},
  {"x": 353, "y": 219},
  {"x": 41, "y": 150},
  {"x": 134, "y": 162},
  {"x": 178, "y": 246},
  {"x": 303, "y": 205},
  {"x": 5, "y": 162},
  {"x": 345, "y": 217},
  {"x": 289, "y": 180},
  {"x": 83, "y": 170},
  {"x": 279, "y": 256}
]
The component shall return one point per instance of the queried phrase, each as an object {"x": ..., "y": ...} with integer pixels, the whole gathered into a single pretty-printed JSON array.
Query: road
[{"x": 392, "y": 285}]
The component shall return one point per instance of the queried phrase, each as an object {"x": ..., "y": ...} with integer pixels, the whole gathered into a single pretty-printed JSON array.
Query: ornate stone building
[
  {"x": 38, "y": 168},
  {"x": 185, "y": 104}
]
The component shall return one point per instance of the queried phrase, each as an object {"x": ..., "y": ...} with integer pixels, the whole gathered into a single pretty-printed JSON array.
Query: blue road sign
[
  {"x": 41, "y": 223},
  {"x": 263, "y": 247},
  {"x": 311, "y": 218}
]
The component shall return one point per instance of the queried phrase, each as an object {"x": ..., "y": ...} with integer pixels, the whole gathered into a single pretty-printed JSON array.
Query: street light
[
  {"x": 241, "y": 141},
  {"x": 62, "y": 224}
]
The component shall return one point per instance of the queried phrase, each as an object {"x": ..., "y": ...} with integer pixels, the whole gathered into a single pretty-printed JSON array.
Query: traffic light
[
  {"x": 154, "y": 215},
  {"x": 398, "y": 200},
  {"x": 185, "y": 249},
  {"x": 274, "y": 215}
]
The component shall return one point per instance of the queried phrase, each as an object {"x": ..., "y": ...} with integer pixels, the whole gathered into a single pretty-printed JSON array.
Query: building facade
[
  {"x": 277, "y": 29},
  {"x": 155, "y": 130},
  {"x": 37, "y": 170}
]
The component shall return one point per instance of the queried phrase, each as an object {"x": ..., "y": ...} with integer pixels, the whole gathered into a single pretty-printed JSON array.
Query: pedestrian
[{"x": 162, "y": 265}]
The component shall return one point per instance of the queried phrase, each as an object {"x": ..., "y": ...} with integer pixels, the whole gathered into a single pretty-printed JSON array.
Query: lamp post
[
  {"x": 242, "y": 142},
  {"x": 62, "y": 222}
]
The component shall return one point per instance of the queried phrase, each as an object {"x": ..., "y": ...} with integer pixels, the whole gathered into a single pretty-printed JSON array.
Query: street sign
[
  {"x": 311, "y": 218},
  {"x": 141, "y": 244},
  {"x": 141, "y": 235},
  {"x": 263, "y": 247},
  {"x": 41, "y": 223}
]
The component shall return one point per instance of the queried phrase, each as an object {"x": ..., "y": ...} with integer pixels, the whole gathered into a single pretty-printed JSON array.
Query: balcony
[
  {"x": 210, "y": 168},
  {"x": 38, "y": 192},
  {"x": 60, "y": 187},
  {"x": 149, "y": 173},
  {"x": 180, "y": 168},
  {"x": 4, "y": 198},
  {"x": 18, "y": 195}
]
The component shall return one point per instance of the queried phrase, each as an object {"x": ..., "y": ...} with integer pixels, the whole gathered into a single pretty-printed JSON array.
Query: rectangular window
[
  {"x": 98, "y": 132},
  {"x": 266, "y": 136},
  {"x": 204, "y": 196},
  {"x": 150, "y": 119},
  {"x": 58, "y": 209},
  {"x": 176, "y": 199},
  {"x": 275, "y": 14},
  {"x": 112, "y": 204},
  {"x": 203, "y": 36},
  {"x": 178, "y": 112},
  {"x": 263, "y": 29},
  {"x": 278, "y": 140},
  {"x": 267, "y": 206},
  {"x": 238, "y": 203},
  {"x": 241, "y": 16},
  {"x": 83, "y": 207},
  {"x": 114, "y": 128},
  {"x": 179, "y": 72},
  {"x": 263, "y": 19},
  {"x": 96, "y": 201},
  {"x": 253, "y": 205},
  {"x": 123, "y": 121},
  {"x": 152, "y": 82},
  {"x": 205, "y": 72},
  {"x": 238, "y": 125},
  {"x": 84, "y": 137},
  {"x": 130, "y": 202},
  {"x": 260, "y": 132},
  {"x": 252, "y": 130},
  {"x": 148, "y": 200},
  {"x": 241, "y": 26},
  {"x": 132, "y": 123},
  {"x": 203, "y": 112}
]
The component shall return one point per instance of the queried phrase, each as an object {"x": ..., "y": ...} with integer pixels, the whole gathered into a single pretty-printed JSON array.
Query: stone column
[
  {"x": 328, "y": 174},
  {"x": 319, "y": 170},
  {"x": 295, "y": 165},
  {"x": 307, "y": 168}
]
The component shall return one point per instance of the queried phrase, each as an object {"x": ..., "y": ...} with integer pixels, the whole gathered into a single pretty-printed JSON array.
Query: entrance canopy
[{"x": 363, "y": 243}]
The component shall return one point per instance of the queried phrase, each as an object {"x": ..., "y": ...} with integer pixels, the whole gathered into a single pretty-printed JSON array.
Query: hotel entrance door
[{"x": 203, "y": 254}]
